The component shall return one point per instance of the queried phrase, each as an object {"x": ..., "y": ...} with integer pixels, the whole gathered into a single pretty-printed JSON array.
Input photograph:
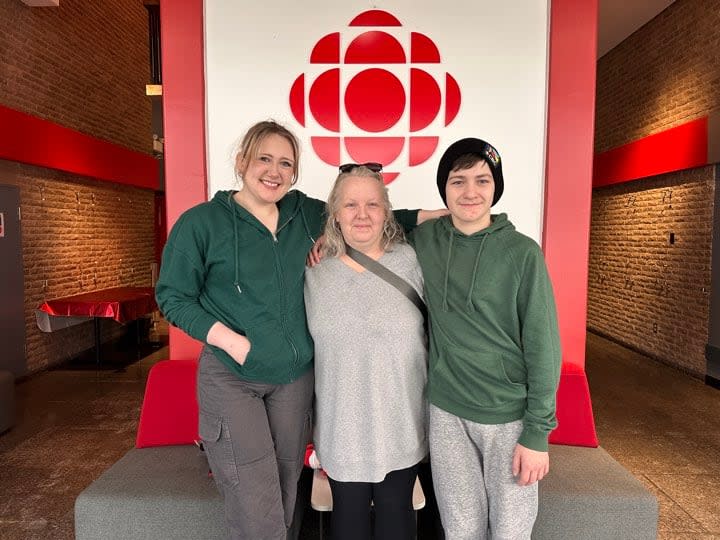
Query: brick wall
[
  {"x": 83, "y": 64},
  {"x": 643, "y": 291},
  {"x": 663, "y": 75},
  {"x": 78, "y": 235}
]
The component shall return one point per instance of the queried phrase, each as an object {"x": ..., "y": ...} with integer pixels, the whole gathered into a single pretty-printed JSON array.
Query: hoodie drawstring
[
  {"x": 447, "y": 273},
  {"x": 235, "y": 242},
  {"x": 468, "y": 302},
  {"x": 305, "y": 223}
]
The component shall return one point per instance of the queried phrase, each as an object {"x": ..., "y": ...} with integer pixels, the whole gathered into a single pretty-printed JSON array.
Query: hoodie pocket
[
  {"x": 271, "y": 354},
  {"x": 477, "y": 378}
]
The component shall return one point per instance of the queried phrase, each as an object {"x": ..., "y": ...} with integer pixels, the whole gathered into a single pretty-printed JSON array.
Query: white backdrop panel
[{"x": 496, "y": 51}]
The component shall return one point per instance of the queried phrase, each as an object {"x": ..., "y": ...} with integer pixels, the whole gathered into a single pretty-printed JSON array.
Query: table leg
[{"x": 96, "y": 325}]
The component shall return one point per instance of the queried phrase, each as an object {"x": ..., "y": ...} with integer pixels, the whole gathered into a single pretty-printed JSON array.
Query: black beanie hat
[{"x": 471, "y": 146}]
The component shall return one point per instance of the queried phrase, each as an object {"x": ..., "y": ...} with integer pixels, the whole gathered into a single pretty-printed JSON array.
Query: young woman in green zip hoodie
[
  {"x": 232, "y": 276},
  {"x": 494, "y": 353}
]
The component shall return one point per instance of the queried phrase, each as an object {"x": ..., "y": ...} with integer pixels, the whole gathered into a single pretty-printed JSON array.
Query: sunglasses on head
[{"x": 374, "y": 167}]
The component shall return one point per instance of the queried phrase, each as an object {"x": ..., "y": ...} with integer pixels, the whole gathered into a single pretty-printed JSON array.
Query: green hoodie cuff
[
  {"x": 407, "y": 219},
  {"x": 534, "y": 439},
  {"x": 201, "y": 327}
]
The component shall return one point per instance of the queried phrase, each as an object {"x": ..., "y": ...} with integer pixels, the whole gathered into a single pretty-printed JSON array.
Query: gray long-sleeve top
[{"x": 370, "y": 368}]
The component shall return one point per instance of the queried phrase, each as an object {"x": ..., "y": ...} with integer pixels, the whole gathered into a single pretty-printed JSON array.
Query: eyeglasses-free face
[
  {"x": 361, "y": 212},
  {"x": 374, "y": 167}
]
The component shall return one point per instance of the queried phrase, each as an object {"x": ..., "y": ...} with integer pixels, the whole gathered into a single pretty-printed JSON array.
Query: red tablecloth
[{"x": 121, "y": 303}]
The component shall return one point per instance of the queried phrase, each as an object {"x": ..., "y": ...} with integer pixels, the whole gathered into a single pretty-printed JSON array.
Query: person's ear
[{"x": 240, "y": 165}]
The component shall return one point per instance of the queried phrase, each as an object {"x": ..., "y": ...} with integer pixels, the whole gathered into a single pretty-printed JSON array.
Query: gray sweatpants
[
  {"x": 255, "y": 436},
  {"x": 477, "y": 495}
]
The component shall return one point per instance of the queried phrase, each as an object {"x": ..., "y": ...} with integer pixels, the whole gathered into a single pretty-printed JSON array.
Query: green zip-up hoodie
[
  {"x": 221, "y": 264},
  {"x": 494, "y": 342}
]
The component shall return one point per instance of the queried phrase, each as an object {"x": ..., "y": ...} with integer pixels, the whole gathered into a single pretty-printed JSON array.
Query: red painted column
[
  {"x": 184, "y": 119},
  {"x": 568, "y": 192}
]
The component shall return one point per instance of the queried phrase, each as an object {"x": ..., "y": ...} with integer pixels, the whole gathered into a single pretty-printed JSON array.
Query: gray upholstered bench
[
  {"x": 591, "y": 496},
  {"x": 7, "y": 400},
  {"x": 151, "y": 493},
  {"x": 165, "y": 492}
]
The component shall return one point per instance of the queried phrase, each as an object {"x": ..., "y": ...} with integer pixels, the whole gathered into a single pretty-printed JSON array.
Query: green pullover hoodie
[
  {"x": 494, "y": 342},
  {"x": 221, "y": 264}
]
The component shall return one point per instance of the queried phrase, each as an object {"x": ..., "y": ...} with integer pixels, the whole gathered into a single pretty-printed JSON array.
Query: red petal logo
[{"x": 393, "y": 106}]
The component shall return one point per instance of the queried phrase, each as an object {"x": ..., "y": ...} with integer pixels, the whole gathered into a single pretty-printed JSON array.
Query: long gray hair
[{"x": 334, "y": 242}]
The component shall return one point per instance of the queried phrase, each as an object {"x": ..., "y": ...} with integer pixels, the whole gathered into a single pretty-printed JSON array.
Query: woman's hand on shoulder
[
  {"x": 236, "y": 345},
  {"x": 315, "y": 255}
]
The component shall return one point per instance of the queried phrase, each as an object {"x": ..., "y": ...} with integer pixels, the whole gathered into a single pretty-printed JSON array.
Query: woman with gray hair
[{"x": 370, "y": 362}]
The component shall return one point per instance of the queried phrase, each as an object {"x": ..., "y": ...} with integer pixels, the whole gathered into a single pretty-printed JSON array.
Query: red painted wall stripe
[
  {"x": 32, "y": 140},
  {"x": 681, "y": 147},
  {"x": 184, "y": 119}
]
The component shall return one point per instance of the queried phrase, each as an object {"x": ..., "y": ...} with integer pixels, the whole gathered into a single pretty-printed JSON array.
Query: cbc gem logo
[{"x": 369, "y": 102}]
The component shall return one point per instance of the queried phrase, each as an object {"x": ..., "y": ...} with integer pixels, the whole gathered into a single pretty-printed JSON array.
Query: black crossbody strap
[{"x": 391, "y": 277}]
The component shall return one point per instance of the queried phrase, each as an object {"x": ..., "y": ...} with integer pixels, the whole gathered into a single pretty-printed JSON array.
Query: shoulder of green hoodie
[
  {"x": 536, "y": 308},
  {"x": 182, "y": 272}
]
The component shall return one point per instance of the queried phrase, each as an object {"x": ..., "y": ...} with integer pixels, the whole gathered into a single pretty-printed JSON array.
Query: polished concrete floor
[
  {"x": 664, "y": 427},
  {"x": 74, "y": 423}
]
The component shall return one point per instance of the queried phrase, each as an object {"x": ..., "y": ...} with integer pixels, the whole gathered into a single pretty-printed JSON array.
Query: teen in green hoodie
[
  {"x": 232, "y": 276},
  {"x": 494, "y": 353}
]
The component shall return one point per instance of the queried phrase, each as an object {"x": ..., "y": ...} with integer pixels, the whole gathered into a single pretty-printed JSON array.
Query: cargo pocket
[
  {"x": 209, "y": 428},
  {"x": 218, "y": 445}
]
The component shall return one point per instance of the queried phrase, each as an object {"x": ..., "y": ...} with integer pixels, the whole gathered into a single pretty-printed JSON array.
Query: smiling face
[
  {"x": 361, "y": 213},
  {"x": 268, "y": 175},
  {"x": 469, "y": 194}
]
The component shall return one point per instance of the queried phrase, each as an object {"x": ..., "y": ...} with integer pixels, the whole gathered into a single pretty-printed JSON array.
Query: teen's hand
[
  {"x": 236, "y": 345},
  {"x": 315, "y": 255},
  {"x": 529, "y": 466},
  {"x": 424, "y": 215}
]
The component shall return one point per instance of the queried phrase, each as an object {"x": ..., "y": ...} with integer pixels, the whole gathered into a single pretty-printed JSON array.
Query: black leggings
[{"x": 391, "y": 498}]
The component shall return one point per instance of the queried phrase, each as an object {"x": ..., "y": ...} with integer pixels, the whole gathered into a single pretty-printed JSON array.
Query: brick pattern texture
[
  {"x": 78, "y": 235},
  {"x": 644, "y": 292},
  {"x": 83, "y": 65},
  {"x": 665, "y": 74}
]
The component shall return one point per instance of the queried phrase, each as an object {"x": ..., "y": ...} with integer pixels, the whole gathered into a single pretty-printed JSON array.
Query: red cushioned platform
[
  {"x": 576, "y": 425},
  {"x": 170, "y": 411}
]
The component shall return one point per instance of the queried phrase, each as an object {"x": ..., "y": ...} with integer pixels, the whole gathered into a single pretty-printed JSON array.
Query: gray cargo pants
[{"x": 255, "y": 436}]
